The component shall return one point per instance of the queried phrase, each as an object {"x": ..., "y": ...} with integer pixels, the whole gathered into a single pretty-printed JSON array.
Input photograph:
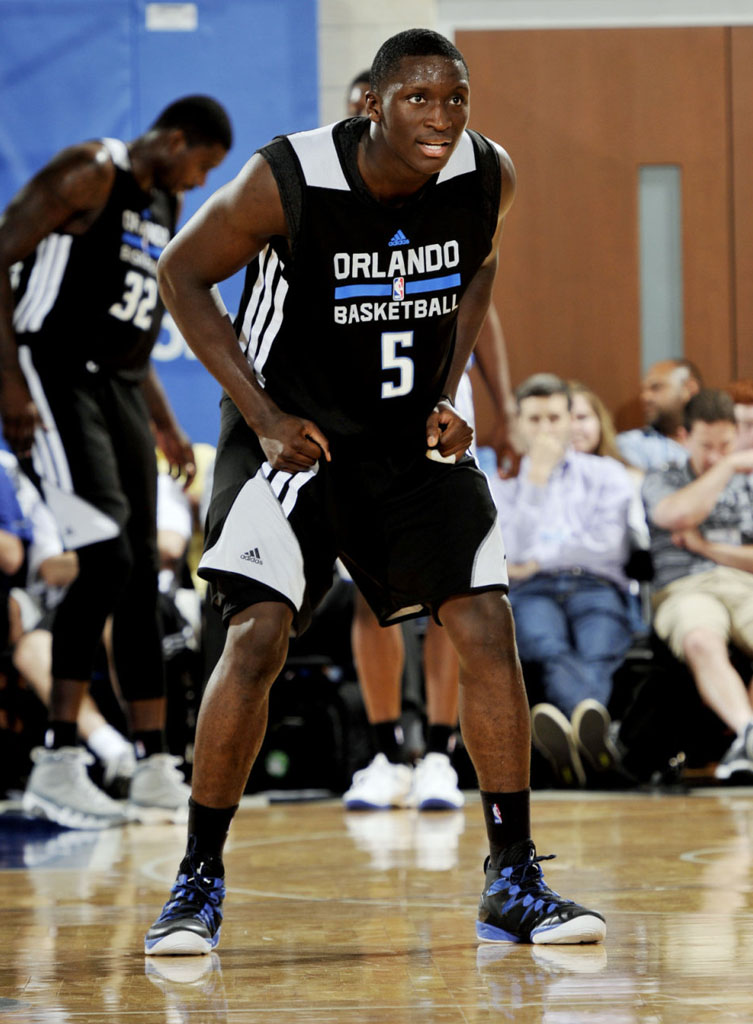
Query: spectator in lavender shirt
[{"x": 564, "y": 519}]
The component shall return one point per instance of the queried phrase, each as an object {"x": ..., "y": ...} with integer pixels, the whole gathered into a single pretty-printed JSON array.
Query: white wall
[{"x": 351, "y": 31}]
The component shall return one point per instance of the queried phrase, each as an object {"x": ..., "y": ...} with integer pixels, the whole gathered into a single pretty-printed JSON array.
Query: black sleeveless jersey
[
  {"x": 351, "y": 321},
  {"x": 93, "y": 298}
]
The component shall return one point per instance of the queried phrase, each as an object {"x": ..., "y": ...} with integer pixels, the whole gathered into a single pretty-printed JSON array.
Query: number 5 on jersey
[{"x": 392, "y": 343}]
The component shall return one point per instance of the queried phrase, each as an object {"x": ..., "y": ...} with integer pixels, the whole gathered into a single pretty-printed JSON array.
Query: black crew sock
[
  {"x": 207, "y": 831},
  {"x": 149, "y": 741},
  {"x": 440, "y": 739},
  {"x": 508, "y": 823},
  {"x": 389, "y": 740},
  {"x": 61, "y": 734}
]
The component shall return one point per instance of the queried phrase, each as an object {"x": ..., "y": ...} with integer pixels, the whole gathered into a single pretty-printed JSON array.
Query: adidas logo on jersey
[
  {"x": 252, "y": 556},
  {"x": 398, "y": 239}
]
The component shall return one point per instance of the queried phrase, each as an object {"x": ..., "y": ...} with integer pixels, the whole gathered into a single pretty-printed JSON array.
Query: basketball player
[
  {"x": 379, "y": 654},
  {"x": 79, "y": 244},
  {"x": 377, "y": 248}
]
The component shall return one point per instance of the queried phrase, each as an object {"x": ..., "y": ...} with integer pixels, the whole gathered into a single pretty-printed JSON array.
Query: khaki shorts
[{"x": 720, "y": 600}]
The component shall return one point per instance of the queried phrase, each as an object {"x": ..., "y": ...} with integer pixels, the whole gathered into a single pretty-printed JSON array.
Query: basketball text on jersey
[
  {"x": 374, "y": 275},
  {"x": 143, "y": 240}
]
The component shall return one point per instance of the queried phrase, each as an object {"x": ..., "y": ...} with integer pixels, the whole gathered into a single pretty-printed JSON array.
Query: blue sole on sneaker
[{"x": 488, "y": 933}]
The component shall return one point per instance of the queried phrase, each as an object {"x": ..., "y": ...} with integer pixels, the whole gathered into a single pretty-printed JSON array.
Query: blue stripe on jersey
[
  {"x": 138, "y": 243},
  {"x": 431, "y": 284}
]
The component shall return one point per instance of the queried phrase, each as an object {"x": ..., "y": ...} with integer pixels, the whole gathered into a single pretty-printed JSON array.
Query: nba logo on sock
[
  {"x": 398, "y": 288},
  {"x": 497, "y": 814}
]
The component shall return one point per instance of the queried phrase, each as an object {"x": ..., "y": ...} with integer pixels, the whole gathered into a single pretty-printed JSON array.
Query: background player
[{"x": 80, "y": 244}]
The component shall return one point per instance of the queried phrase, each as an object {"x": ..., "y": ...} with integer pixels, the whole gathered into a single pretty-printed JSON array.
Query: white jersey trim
[
  {"x": 44, "y": 283},
  {"x": 268, "y": 293},
  {"x": 318, "y": 157},
  {"x": 118, "y": 153},
  {"x": 462, "y": 161}
]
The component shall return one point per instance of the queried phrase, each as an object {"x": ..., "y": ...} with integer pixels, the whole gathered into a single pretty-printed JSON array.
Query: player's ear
[{"x": 373, "y": 106}]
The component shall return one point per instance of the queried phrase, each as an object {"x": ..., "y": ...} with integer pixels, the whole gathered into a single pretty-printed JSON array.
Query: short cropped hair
[
  {"x": 709, "y": 405},
  {"x": 543, "y": 385},
  {"x": 202, "y": 120},
  {"x": 414, "y": 42}
]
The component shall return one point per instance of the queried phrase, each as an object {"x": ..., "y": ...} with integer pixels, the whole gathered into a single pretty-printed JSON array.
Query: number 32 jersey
[
  {"x": 351, "y": 321},
  {"x": 92, "y": 298}
]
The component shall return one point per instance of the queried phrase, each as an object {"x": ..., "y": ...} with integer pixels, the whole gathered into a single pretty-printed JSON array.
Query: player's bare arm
[
  {"x": 230, "y": 230},
  {"x": 171, "y": 438},
  {"x": 65, "y": 196},
  {"x": 473, "y": 309}
]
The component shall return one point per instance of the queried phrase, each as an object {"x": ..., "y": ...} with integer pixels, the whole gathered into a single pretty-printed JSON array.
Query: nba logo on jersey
[{"x": 398, "y": 288}]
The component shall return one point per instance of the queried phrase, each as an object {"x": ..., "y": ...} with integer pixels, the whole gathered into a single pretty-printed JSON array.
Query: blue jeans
[{"x": 577, "y": 627}]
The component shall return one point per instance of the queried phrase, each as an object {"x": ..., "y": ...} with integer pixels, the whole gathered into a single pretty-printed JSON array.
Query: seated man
[
  {"x": 701, "y": 520},
  {"x": 565, "y": 523},
  {"x": 665, "y": 390}
]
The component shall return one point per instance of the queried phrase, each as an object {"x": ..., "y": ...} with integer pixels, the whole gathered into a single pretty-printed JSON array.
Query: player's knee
[
  {"x": 257, "y": 643},
  {"x": 481, "y": 625}
]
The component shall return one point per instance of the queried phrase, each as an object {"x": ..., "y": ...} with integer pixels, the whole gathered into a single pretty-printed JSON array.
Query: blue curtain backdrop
[{"x": 77, "y": 69}]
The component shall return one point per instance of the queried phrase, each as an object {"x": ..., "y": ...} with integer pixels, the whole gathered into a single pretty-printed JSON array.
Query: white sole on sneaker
[
  {"x": 186, "y": 943},
  {"x": 38, "y": 807},
  {"x": 586, "y": 928}
]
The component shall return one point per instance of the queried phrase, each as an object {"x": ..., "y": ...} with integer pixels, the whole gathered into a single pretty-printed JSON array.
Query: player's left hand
[
  {"x": 176, "y": 448},
  {"x": 447, "y": 432}
]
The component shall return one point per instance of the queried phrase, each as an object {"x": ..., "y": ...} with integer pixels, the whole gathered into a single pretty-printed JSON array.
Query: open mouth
[{"x": 434, "y": 149}]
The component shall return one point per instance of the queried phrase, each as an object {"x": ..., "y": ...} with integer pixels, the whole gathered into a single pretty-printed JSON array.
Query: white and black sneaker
[
  {"x": 59, "y": 789},
  {"x": 736, "y": 766},
  {"x": 158, "y": 791}
]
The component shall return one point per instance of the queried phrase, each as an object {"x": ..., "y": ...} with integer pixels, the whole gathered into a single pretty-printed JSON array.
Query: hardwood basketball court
[{"x": 335, "y": 917}]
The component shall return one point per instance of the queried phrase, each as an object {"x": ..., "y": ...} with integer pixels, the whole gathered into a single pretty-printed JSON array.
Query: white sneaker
[
  {"x": 158, "y": 791},
  {"x": 59, "y": 789},
  {"x": 121, "y": 765},
  {"x": 379, "y": 786},
  {"x": 435, "y": 785}
]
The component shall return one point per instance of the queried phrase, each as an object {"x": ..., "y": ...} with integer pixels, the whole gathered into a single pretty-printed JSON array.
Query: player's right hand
[
  {"x": 19, "y": 414},
  {"x": 293, "y": 444}
]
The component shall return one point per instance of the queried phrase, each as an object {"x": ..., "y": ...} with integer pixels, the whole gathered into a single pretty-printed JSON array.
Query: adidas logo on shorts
[{"x": 252, "y": 556}]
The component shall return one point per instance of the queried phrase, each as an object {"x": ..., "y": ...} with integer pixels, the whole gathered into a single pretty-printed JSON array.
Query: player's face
[
  {"x": 707, "y": 443},
  {"x": 189, "y": 166},
  {"x": 423, "y": 111}
]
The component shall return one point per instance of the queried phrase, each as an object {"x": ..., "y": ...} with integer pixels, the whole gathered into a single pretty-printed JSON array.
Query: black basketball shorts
[{"x": 412, "y": 532}]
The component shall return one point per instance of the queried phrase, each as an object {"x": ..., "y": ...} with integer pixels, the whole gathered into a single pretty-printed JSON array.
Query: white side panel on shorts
[
  {"x": 490, "y": 563},
  {"x": 79, "y": 522},
  {"x": 258, "y": 542}
]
